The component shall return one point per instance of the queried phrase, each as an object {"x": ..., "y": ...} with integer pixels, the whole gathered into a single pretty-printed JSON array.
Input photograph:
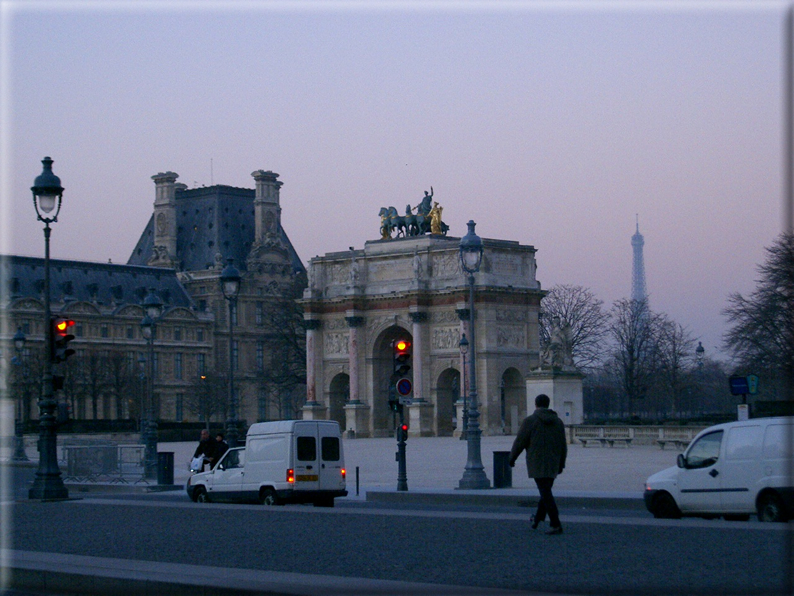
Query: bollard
[
  {"x": 356, "y": 480},
  {"x": 502, "y": 472},
  {"x": 165, "y": 467}
]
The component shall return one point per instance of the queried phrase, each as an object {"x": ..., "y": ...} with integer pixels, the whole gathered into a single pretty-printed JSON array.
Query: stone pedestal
[
  {"x": 419, "y": 416},
  {"x": 564, "y": 388},
  {"x": 356, "y": 418},
  {"x": 315, "y": 411}
]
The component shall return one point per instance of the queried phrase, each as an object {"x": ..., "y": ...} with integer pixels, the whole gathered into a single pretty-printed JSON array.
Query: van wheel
[
  {"x": 664, "y": 507},
  {"x": 771, "y": 508},
  {"x": 200, "y": 495},
  {"x": 326, "y": 502},
  {"x": 267, "y": 496}
]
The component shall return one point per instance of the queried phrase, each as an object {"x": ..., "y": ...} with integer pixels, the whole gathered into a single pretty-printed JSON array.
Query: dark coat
[
  {"x": 543, "y": 436},
  {"x": 206, "y": 448}
]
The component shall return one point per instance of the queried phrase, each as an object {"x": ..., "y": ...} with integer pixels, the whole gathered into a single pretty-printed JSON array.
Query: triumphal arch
[{"x": 412, "y": 286}]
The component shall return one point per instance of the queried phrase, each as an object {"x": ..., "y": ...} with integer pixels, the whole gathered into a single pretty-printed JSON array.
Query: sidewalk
[{"x": 435, "y": 466}]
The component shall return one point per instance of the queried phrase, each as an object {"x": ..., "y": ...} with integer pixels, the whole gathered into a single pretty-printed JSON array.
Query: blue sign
[{"x": 739, "y": 385}]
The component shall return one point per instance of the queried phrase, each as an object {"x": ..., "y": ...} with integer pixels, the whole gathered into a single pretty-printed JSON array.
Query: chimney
[
  {"x": 164, "y": 249},
  {"x": 267, "y": 209}
]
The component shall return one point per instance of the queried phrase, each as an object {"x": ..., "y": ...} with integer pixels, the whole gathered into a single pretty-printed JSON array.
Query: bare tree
[
  {"x": 761, "y": 335},
  {"x": 674, "y": 348},
  {"x": 283, "y": 375},
  {"x": 208, "y": 396},
  {"x": 121, "y": 380},
  {"x": 577, "y": 307},
  {"x": 634, "y": 352}
]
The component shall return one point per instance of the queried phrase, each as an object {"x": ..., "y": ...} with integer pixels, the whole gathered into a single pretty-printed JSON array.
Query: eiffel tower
[{"x": 638, "y": 290}]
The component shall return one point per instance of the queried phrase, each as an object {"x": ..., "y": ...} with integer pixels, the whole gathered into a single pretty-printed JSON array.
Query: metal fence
[{"x": 104, "y": 463}]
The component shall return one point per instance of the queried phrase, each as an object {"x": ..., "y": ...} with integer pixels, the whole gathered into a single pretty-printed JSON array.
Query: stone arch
[
  {"x": 447, "y": 392},
  {"x": 338, "y": 396},
  {"x": 512, "y": 400},
  {"x": 381, "y": 358}
]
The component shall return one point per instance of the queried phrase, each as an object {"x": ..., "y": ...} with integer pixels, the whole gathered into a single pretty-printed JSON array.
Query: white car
[{"x": 730, "y": 470}]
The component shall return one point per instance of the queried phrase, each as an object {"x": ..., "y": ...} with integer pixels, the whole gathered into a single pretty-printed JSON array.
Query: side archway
[
  {"x": 338, "y": 395},
  {"x": 447, "y": 395},
  {"x": 513, "y": 401}
]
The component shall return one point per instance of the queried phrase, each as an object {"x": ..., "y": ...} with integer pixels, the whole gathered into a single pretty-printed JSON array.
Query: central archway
[
  {"x": 384, "y": 420},
  {"x": 447, "y": 395}
]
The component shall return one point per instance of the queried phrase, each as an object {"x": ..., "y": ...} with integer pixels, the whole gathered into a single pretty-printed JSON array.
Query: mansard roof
[
  {"x": 211, "y": 220},
  {"x": 98, "y": 283}
]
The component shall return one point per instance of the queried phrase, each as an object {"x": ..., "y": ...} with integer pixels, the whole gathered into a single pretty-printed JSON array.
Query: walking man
[{"x": 543, "y": 436}]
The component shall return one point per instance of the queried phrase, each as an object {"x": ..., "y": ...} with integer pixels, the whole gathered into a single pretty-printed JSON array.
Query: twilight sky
[{"x": 550, "y": 123}]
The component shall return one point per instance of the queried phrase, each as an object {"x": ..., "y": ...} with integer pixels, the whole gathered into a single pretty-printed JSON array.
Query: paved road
[{"x": 495, "y": 549}]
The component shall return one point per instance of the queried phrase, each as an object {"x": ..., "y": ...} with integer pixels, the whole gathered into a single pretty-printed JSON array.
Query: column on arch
[
  {"x": 312, "y": 334},
  {"x": 417, "y": 318},
  {"x": 354, "y": 322}
]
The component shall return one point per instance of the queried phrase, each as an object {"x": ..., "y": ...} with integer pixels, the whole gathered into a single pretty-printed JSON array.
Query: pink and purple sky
[{"x": 550, "y": 123}]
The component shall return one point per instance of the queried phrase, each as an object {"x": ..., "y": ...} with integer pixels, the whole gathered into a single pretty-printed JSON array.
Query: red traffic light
[
  {"x": 402, "y": 345},
  {"x": 404, "y": 427},
  {"x": 62, "y": 326}
]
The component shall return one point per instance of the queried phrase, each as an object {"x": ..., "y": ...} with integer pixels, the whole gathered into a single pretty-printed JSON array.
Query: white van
[
  {"x": 291, "y": 461},
  {"x": 730, "y": 470}
]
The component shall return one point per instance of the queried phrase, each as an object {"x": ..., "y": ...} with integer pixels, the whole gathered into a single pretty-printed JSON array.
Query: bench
[
  {"x": 604, "y": 441},
  {"x": 679, "y": 443},
  {"x": 626, "y": 441}
]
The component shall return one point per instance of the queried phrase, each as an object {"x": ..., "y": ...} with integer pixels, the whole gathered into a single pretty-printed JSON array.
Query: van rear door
[
  {"x": 307, "y": 464},
  {"x": 332, "y": 459}
]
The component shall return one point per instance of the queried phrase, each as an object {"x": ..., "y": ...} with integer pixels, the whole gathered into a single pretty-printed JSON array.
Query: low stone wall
[{"x": 639, "y": 435}]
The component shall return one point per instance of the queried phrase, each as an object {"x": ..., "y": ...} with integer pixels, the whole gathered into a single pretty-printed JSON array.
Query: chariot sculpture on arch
[{"x": 420, "y": 220}]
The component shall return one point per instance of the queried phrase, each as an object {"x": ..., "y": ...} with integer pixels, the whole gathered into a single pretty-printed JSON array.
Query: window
[
  {"x": 26, "y": 327},
  {"x": 202, "y": 305},
  {"x": 178, "y": 407},
  {"x": 260, "y": 313},
  {"x": 199, "y": 335},
  {"x": 330, "y": 448},
  {"x": 178, "y": 365},
  {"x": 178, "y": 334},
  {"x": 705, "y": 452},
  {"x": 744, "y": 442},
  {"x": 201, "y": 363},
  {"x": 103, "y": 331},
  {"x": 78, "y": 330},
  {"x": 260, "y": 355},
  {"x": 130, "y": 333},
  {"x": 307, "y": 449}
]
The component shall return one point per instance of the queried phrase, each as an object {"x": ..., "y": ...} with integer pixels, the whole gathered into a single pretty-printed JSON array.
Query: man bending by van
[
  {"x": 206, "y": 448},
  {"x": 542, "y": 435}
]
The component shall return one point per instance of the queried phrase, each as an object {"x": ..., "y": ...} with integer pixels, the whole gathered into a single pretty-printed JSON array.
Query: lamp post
[
  {"x": 153, "y": 307},
  {"x": 230, "y": 286},
  {"x": 464, "y": 349},
  {"x": 474, "y": 474},
  {"x": 48, "y": 484},
  {"x": 19, "y": 437},
  {"x": 700, "y": 351}
]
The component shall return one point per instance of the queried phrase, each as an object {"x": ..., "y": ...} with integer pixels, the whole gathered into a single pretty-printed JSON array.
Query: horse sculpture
[{"x": 409, "y": 224}]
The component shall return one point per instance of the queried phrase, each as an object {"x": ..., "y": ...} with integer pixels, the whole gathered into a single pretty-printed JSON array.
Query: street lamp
[
  {"x": 230, "y": 286},
  {"x": 153, "y": 306},
  {"x": 474, "y": 474},
  {"x": 464, "y": 349},
  {"x": 19, "y": 437},
  {"x": 48, "y": 484},
  {"x": 700, "y": 351}
]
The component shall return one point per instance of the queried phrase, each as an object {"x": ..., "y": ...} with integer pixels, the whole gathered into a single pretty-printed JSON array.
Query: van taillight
[
  {"x": 290, "y": 475},
  {"x": 344, "y": 473}
]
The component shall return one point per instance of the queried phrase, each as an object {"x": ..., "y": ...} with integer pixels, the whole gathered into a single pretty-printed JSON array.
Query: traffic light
[
  {"x": 402, "y": 357},
  {"x": 402, "y": 432},
  {"x": 60, "y": 336}
]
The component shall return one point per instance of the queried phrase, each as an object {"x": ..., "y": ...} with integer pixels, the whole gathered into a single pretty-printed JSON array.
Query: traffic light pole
[
  {"x": 48, "y": 484},
  {"x": 402, "y": 473}
]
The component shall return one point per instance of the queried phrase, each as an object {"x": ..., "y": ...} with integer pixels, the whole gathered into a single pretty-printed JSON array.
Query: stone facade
[{"x": 359, "y": 301}]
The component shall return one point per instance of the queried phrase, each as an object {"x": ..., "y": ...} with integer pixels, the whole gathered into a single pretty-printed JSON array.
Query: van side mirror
[{"x": 680, "y": 461}]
